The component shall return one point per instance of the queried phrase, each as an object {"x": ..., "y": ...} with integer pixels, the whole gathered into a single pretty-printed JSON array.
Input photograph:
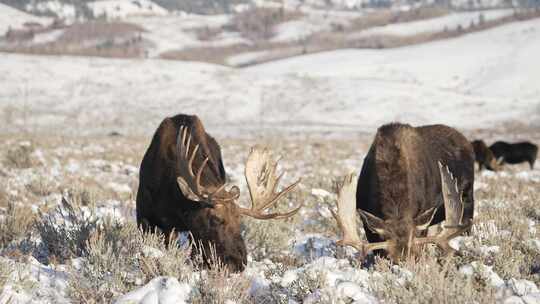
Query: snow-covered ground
[
  {"x": 322, "y": 272},
  {"x": 15, "y": 19},
  {"x": 478, "y": 80},
  {"x": 124, "y": 8},
  {"x": 434, "y": 25},
  {"x": 177, "y": 32},
  {"x": 495, "y": 64}
]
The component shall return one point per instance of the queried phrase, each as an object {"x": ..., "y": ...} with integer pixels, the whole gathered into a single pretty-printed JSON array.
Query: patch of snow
[
  {"x": 116, "y": 9},
  {"x": 160, "y": 290},
  {"x": 119, "y": 188},
  {"x": 246, "y": 58},
  {"x": 352, "y": 291},
  {"x": 485, "y": 272},
  {"x": 15, "y": 19},
  {"x": 322, "y": 193},
  {"x": 49, "y": 285},
  {"x": 61, "y": 10}
]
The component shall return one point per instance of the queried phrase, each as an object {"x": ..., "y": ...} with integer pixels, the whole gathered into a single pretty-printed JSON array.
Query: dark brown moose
[
  {"x": 182, "y": 188},
  {"x": 484, "y": 156},
  {"x": 411, "y": 178},
  {"x": 515, "y": 153}
]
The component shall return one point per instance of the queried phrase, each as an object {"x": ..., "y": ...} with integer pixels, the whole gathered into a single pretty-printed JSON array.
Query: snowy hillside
[
  {"x": 125, "y": 8},
  {"x": 10, "y": 17},
  {"x": 434, "y": 25},
  {"x": 474, "y": 81},
  {"x": 497, "y": 64}
]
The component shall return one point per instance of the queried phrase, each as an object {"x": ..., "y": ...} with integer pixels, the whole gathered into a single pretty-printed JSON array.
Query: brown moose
[
  {"x": 182, "y": 188},
  {"x": 411, "y": 178}
]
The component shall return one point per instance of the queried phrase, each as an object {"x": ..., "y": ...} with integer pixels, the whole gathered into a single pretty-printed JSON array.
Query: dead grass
[
  {"x": 428, "y": 280},
  {"x": 20, "y": 156},
  {"x": 93, "y": 38},
  {"x": 15, "y": 224}
]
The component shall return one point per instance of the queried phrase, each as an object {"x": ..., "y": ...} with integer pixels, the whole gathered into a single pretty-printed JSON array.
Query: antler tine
[
  {"x": 453, "y": 207},
  {"x": 262, "y": 183},
  {"x": 188, "y": 181},
  {"x": 346, "y": 218}
]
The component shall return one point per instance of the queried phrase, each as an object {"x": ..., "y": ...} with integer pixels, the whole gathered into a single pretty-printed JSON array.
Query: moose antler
[
  {"x": 453, "y": 207},
  {"x": 262, "y": 183},
  {"x": 189, "y": 181},
  {"x": 346, "y": 218}
]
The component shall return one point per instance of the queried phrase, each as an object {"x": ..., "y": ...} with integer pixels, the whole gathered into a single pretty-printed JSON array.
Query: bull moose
[
  {"x": 411, "y": 178},
  {"x": 182, "y": 188},
  {"x": 484, "y": 156},
  {"x": 515, "y": 153}
]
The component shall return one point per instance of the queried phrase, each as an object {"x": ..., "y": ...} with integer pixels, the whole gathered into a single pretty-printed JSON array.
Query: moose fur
[
  {"x": 484, "y": 156},
  {"x": 399, "y": 188},
  {"x": 515, "y": 153},
  {"x": 161, "y": 204}
]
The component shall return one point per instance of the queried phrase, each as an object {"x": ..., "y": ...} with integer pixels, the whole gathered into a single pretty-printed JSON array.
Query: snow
[
  {"x": 11, "y": 17},
  {"x": 115, "y": 9},
  {"x": 176, "y": 32},
  {"x": 433, "y": 25},
  {"x": 160, "y": 290},
  {"x": 48, "y": 285},
  {"x": 61, "y": 10},
  {"x": 246, "y": 58},
  {"x": 490, "y": 64},
  {"x": 46, "y": 37},
  {"x": 478, "y": 80}
]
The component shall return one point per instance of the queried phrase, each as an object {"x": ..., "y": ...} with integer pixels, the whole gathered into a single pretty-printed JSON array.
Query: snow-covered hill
[
  {"x": 479, "y": 80},
  {"x": 11, "y": 17},
  {"x": 125, "y": 8},
  {"x": 497, "y": 63}
]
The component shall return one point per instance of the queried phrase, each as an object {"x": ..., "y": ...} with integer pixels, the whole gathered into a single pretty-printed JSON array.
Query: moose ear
[
  {"x": 423, "y": 221},
  {"x": 374, "y": 223}
]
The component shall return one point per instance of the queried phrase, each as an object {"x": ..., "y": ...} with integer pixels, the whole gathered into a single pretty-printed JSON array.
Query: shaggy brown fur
[
  {"x": 162, "y": 205},
  {"x": 400, "y": 181},
  {"x": 483, "y": 155}
]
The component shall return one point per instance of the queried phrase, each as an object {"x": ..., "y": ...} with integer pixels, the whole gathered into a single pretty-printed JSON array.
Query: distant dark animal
[
  {"x": 182, "y": 188},
  {"x": 483, "y": 156},
  {"x": 515, "y": 153},
  {"x": 412, "y": 178}
]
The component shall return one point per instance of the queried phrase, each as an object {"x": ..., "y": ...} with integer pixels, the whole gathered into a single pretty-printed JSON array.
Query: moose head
[
  {"x": 402, "y": 235},
  {"x": 215, "y": 224}
]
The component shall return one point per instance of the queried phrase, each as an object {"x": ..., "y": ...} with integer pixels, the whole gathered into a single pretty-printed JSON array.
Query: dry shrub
[
  {"x": 267, "y": 239},
  {"x": 15, "y": 224},
  {"x": 108, "y": 269},
  {"x": 94, "y": 38},
  {"x": 66, "y": 231},
  {"x": 428, "y": 280},
  {"x": 5, "y": 271},
  {"x": 20, "y": 156},
  {"x": 79, "y": 32},
  {"x": 257, "y": 23},
  {"x": 207, "y": 33},
  {"x": 4, "y": 196},
  {"x": 217, "y": 286},
  {"x": 120, "y": 258},
  {"x": 40, "y": 187}
]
